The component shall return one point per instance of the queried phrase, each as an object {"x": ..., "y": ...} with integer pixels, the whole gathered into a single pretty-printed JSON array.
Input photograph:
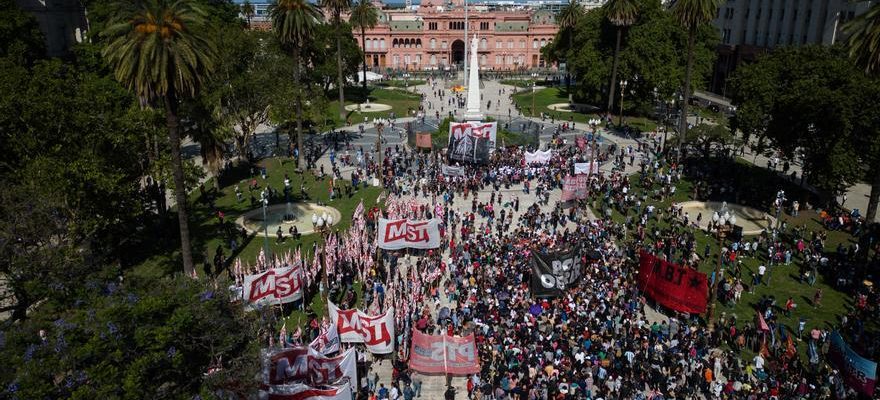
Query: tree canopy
[
  {"x": 810, "y": 103},
  {"x": 653, "y": 56}
]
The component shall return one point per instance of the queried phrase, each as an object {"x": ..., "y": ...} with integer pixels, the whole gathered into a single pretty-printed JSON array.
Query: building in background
[
  {"x": 63, "y": 23},
  {"x": 749, "y": 28},
  {"x": 433, "y": 37}
]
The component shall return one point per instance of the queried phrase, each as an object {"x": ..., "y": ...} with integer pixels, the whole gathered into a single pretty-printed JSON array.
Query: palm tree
[
  {"x": 864, "y": 48},
  {"x": 294, "y": 23},
  {"x": 691, "y": 14},
  {"x": 622, "y": 14},
  {"x": 248, "y": 10},
  {"x": 158, "y": 51},
  {"x": 364, "y": 16},
  {"x": 567, "y": 19},
  {"x": 336, "y": 8}
]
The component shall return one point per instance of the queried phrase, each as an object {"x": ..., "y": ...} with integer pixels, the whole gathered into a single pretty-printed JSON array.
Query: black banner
[{"x": 553, "y": 273}]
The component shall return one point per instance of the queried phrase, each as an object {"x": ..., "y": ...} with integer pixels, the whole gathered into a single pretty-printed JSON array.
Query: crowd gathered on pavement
[{"x": 602, "y": 338}]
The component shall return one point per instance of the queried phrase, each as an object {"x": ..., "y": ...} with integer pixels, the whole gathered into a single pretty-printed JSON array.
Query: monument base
[{"x": 476, "y": 117}]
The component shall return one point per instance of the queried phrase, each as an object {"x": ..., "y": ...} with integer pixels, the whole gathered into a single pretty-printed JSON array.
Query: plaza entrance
[{"x": 458, "y": 52}]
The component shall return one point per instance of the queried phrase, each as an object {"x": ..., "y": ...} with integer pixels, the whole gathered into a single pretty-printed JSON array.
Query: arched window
[
  {"x": 484, "y": 44},
  {"x": 406, "y": 43},
  {"x": 382, "y": 44},
  {"x": 535, "y": 43},
  {"x": 433, "y": 59},
  {"x": 483, "y": 59},
  {"x": 394, "y": 43},
  {"x": 510, "y": 44},
  {"x": 368, "y": 44},
  {"x": 522, "y": 43},
  {"x": 433, "y": 43},
  {"x": 543, "y": 42},
  {"x": 418, "y": 43}
]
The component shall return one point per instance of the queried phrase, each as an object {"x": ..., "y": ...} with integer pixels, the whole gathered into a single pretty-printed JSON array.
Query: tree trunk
[
  {"x": 613, "y": 84},
  {"x": 874, "y": 197},
  {"x": 339, "y": 81},
  {"x": 364, "y": 46},
  {"x": 297, "y": 72},
  {"x": 568, "y": 64},
  {"x": 179, "y": 186},
  {"x": 686, "y": 93}
]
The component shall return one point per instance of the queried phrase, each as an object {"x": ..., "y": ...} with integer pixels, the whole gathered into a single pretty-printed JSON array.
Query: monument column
[{"x": 472, "y": 109}]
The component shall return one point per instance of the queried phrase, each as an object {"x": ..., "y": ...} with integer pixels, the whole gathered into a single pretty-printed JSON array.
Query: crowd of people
[{"x": 600, "y": 338}]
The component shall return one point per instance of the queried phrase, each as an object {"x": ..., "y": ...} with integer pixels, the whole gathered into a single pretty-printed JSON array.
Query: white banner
[
  {"x": 542, "y": 157},
  {"x": 586, "y": 167},
  {"x": 327, "y": 370},
  {"x": 355, "y": 326},
  {"x": 273, "y": 286},
  {"x": 396, "y": 234},
  {"x": 452, "y": 171},
  {"x": 285, "y": 365},
  {"x": 300, "y": 391},
  {"x": 327, "y": 341}
]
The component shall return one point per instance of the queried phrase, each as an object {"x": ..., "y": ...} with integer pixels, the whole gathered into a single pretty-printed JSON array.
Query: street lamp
[
  {"x": 265, "y": 202},
  {"x": 723, "y": 223},
  {"x": 533, "y": 97},
  {"x": 623, "y": 84}
]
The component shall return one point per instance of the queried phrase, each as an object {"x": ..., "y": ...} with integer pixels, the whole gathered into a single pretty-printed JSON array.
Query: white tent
[{"x": 371, "y": 76}]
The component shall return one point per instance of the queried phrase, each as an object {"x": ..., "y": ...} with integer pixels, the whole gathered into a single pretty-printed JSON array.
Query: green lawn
[
  {"x": 521, "y": 83},
  {"x": 783, "y": 279},
  {"x": 401, "y": 102},
  {"x": 549, "y": 96},
  {"x": 161, "y": 254},
  {"x": 401, "y": 83}
]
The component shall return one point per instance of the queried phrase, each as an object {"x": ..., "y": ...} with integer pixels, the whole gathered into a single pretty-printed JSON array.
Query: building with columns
[{"x": 432, "y": 37}]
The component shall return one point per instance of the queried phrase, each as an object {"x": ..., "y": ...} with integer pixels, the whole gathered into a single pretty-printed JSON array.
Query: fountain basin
[
  {"x": 252, "y": 221},
  {"x": 368, "y": 107},
  {"x": 752, "y": 221}
]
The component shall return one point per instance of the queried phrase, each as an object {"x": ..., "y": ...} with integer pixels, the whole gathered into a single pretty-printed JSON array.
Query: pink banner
[
  {"x": 575, "y": 187},
  {"x": 442, "y": 354}
]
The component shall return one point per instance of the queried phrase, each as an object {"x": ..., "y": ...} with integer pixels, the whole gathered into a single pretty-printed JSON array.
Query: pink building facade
[{"x": 432, "y": 38}]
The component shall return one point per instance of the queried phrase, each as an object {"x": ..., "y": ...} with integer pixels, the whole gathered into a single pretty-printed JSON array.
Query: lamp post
[
  {"x": 265, "y": 203},
  {"x": 533, "y": 97},
  {"x": 723, "y": 226},
  {"x": 623, "y": 84}
]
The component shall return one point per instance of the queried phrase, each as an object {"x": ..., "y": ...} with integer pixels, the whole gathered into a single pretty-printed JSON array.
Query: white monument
[{"x": 472, "y": 110}]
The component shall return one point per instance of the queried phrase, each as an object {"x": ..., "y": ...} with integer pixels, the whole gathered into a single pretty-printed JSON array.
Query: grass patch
[
  {"x": 543, "y": 98},
  {"x": 156, "y": 254},
  {"x": 401, "y": 103},
  {"x": 754, "y": 186},
  {"x": 401, "y": 83}
]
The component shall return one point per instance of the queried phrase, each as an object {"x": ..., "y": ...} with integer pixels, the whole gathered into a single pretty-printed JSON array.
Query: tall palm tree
[
  {"x": 157, "y": 50},
  {"x": 336, "y": 8},
  {"x": 567, "y": 19},
  {"x": 294, "y": 23},
  {"x": 247, "y": 9},
  {"x": 864, "y": 48},
  {"x": 364, "y": 16},
  {"x": 622, "y": 14},
  {"x": 691, "y": 14}
]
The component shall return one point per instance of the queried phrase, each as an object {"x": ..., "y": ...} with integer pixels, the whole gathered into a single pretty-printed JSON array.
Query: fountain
[
  {"x": 289, "y": 215},
  {"x": 752, "y": 221}
]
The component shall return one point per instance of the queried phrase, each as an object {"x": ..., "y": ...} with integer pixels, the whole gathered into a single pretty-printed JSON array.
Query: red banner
[
  {"x": 673, "y": 286},
  {"x": 575, "y": 187},
  {"x": 442, "y": 354}
]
